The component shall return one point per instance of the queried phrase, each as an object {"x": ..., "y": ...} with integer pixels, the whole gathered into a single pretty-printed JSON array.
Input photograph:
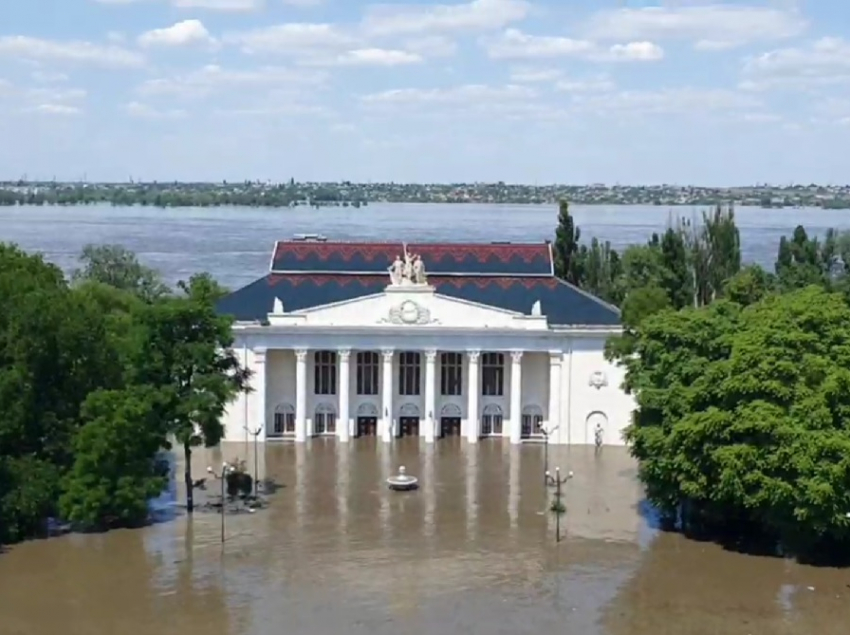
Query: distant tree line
[
  {"x": 97, "y": 375},
  {"x": 741, "y": 377},
  {"x": 180, "y": 195}
]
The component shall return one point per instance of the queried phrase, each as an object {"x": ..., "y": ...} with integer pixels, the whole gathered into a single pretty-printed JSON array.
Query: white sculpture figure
[
  {"x": 419, "y": 276},
  {"x": 536, "y": 310},
  {"x": 407, "y": 271},
  {"x": 396, "y": 271},
  {"x": 277, "y": 308}
]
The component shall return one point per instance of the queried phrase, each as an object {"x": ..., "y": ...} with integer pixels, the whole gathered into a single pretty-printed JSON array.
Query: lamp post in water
[
  {"x": 222, "y": 477},
  {"x": 557, "y": 507},
  {"x": 255, "y": 434},
  {"x": 546, "y": 434}
]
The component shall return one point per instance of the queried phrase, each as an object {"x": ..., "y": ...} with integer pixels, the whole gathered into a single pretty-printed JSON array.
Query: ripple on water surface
[{"x": 472, "y": 551}]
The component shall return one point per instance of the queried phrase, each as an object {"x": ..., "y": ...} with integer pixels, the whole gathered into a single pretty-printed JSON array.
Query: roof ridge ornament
[{"x": 407, "y": 270}]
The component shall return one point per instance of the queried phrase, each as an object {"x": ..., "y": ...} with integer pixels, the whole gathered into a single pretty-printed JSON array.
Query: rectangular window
[
  {"x": 409, "y": 373},
  {"x": 325, "y": 372},
  {"x": 451, "y": 374},
  {"x": 367, "y": 373},
  {"x": 493, "y": 374}
]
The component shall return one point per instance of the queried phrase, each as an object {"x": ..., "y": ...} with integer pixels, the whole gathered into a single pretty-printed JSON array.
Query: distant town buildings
[{"x": 292, "y": 193}]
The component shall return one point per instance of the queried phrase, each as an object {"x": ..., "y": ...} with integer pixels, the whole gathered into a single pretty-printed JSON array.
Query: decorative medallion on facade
[
  {"x": 407, "y": 270},
  {"x": 409, "y": 312},
  {"x": 598, "y": 379}
]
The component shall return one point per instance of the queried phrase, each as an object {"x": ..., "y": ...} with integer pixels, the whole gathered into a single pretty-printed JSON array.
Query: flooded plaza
[{"x": 472, "y": 551}]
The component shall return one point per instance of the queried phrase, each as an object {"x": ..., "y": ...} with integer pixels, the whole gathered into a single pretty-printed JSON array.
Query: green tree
[
  {"x": 676, "y": 278},
  {"x": 566, "y": 247},
  {"x": 54, "y": 351},
  {"x": 118, "y": 267},
  {"x": 742, "y": 416},
  {"x": 185, "y": 351},
  {"x": 114, "y": 474},
  {"x": 749, "y": 285}
]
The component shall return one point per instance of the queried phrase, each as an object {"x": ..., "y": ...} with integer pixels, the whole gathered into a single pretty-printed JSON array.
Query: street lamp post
[
  {"x": 546, "y": 434},
  {"x": 255, "y": 434},
  {"x": 225, "y": 469},
  {"x": 558, "y": 507}
]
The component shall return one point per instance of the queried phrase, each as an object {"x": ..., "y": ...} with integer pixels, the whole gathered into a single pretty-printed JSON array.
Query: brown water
[{"x": 472, "y": 551}]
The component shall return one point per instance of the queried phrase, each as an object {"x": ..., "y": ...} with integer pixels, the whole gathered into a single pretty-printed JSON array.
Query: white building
[{"x": 356, "y": 339}]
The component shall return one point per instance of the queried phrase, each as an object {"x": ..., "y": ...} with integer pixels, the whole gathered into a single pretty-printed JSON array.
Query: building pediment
[{"x": 409, "y": 307}]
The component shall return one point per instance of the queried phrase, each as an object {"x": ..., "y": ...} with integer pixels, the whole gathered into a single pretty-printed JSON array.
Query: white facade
[{"x": 552, "y": 380}]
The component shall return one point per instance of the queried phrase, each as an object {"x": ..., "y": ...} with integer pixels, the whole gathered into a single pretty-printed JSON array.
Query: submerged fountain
[{"x": 402, "y": 482}]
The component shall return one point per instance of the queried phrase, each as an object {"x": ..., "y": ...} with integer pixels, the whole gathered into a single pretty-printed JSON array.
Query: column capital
[
  {"x": 260, "y": 354},
  {"x": 430, "y": 355},
  {"x": 556, "y": 357},
  {"x": 388, "y": 354},
  {"x": 301, "y": 354},
  {"x": 344, "y": 354},
  {"x": 516, "y": 356},
  {"x": 473, "y": 355}
]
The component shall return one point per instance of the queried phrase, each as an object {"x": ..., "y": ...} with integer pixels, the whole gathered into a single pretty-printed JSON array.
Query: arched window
[
  {"x": 324, "y": 421},
  {"x": 491, "y": 421},
  {"x": 532, "y": 422},
  {"x": 284, "y": 420}
]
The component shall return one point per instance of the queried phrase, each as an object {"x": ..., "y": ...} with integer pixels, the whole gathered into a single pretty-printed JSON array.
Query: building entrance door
[
  {"x": 450, "y": 426},
  {"x": 367, "y": 426},
  {"x": 408, "y": 426}
]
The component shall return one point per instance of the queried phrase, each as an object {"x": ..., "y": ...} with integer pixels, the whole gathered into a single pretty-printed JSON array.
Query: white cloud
[
  {"x": 456, "y": 95},
  {"x": 633, "y": 52},
  {"x": 823, "y": 62},
  {"x": 371, "y": 57},
  {"x": 74, "y": 51},
  {"x": 210, "y": 5},
  {"x": 294, "y": 38},
  {"x": 144, "y": 111},
  {"x": 514, "y": 44},
  {"x": 709, "y": 27},
  {"x": 598, "y": 84},
  {"x": 213, "y": 78},
  {"x": 667, "y": 101},
  {"x": 526, "y": 75},
  {"x": 183, "y": 33},
  {"x": 57, "y": 109},
  {"x": 48, "y": 77},
  {"x": 477, "y": 15},
  {"x": 431, "y": 46},
  {"x": 220, "y": 5}
]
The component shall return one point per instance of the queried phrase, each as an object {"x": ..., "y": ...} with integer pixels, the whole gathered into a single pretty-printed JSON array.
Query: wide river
[{"x": 473, "y": 551}]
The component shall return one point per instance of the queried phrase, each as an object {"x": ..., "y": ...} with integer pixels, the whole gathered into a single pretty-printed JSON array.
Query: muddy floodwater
[{"x": 472, "y": 551}]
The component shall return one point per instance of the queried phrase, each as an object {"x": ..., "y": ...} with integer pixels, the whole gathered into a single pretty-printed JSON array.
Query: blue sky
[{"x": 570, "y": 91}]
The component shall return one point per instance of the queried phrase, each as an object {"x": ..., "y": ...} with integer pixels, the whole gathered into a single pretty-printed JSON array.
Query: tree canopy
[{"x": 95, "y": 378}]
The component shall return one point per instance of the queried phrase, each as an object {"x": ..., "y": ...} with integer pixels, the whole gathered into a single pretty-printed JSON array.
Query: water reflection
[{"x": 472, "y": 551}]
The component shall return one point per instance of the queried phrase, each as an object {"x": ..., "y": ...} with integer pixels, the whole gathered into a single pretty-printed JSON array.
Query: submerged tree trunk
[{"x": 187, "y": 477}]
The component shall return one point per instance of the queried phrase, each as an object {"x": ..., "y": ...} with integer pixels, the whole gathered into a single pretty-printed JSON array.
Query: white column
[
  {"x": 260, "y": 390},
  {"x": 343, "y": 428},
  {"x": 473, "y": 420},
  {"x": 430, "y": 397},
  {"x": 387, "y": 395},
  {"x": 516, "y": 397},
  {"x": 554, "y": 419},
  {"x": 301, "y": 395}
]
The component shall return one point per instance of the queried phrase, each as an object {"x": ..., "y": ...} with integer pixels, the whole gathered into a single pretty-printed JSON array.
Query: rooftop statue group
[{"x": 410, "y": 270}]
